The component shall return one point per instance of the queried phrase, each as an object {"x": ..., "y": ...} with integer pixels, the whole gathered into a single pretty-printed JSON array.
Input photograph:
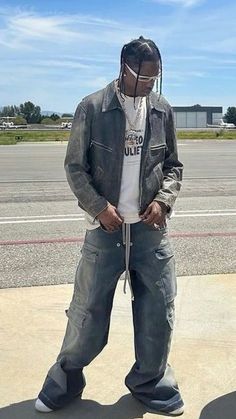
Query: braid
[{"x": 134, "y": 53}]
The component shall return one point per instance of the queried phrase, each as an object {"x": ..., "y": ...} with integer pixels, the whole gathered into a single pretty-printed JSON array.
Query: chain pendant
[{"x": 130, "y": 137}]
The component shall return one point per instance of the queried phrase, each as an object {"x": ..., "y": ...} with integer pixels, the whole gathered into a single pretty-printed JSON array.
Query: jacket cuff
[
  {"x": 96, "y": 208},
  {"x": 169, "y": 209},
  {"x": 95, "y": 218}
]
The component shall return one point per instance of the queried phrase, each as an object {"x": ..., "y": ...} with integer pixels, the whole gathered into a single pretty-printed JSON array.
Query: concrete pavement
[{"x": 203, "y": 352}]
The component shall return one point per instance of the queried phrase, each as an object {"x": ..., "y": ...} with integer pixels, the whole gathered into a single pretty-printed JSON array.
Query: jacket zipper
[
  {"x": 143, "y": 157},
  {"x": 101, "y": 145},
  {"x": 123, "y": 152}
]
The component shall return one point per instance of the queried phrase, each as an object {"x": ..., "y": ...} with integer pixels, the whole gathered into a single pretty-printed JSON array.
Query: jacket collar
[
  {"x": 111, "y": 101},
  {"x": 155, "y": 101}
]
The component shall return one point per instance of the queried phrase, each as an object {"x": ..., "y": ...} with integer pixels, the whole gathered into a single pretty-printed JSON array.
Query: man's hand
[
  {"x": 155, "y": 214},
  {"x": 110, "y": 218}
]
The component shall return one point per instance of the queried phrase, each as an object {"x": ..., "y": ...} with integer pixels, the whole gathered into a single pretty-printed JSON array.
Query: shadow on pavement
[
  {"x": 222, "y": 408},
  {"x": 125, "y": 408}
]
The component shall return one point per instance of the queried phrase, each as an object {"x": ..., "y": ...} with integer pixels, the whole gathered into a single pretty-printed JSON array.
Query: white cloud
[
  {"x": 23, "y": 29},
  {"x": 29, "y": 24},
  {"x": 225, "y": 46},
  {"x": 95, "y": 58},
  {"x": 183, "y": 75},
  {"x": 184, "y": 3},
  {"x": 30, "y": 30},
  {"x": 63, "y": 63},
  {"x": 96, "y": 83}
]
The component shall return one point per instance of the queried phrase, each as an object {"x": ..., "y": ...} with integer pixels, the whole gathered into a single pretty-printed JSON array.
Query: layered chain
[{"x": 132, "y": 125}]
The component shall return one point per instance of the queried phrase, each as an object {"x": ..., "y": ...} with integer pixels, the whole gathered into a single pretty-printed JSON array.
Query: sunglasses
[{"x": 142, "y": 78}]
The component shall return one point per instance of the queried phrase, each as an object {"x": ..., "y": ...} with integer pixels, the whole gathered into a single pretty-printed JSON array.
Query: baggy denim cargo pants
[{"x": 152, "y": 273}]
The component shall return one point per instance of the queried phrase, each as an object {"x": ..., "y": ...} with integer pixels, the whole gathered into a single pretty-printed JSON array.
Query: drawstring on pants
[{"x": 127, "y": 244}]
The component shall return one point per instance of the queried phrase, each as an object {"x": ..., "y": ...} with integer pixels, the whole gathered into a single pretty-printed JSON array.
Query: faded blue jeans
[{"x": 152, "y": 272}]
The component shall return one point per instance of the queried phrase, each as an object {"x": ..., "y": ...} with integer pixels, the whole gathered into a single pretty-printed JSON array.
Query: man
[{"x": 122, "y": 165}]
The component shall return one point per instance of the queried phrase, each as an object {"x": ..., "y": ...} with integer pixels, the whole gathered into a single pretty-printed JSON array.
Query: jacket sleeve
[
  {"x": 77, "y": 167},
  {"x": 172, "y": 168}
]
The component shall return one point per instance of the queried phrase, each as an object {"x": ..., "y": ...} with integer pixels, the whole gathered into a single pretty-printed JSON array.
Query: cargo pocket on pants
[
  {"x": 85, "y": 277},
  {"x": 170, "y": 314},
  {"x": 166, "y": 272},
  {"x": 76, "y": 315}
]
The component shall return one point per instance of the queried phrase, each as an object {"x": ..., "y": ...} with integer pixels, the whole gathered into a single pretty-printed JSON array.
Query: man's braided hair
[{"x": 134, "y": 54}]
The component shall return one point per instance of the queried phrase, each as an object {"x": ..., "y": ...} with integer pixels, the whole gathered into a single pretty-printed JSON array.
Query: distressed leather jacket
[{"x": 95, "y": 153}]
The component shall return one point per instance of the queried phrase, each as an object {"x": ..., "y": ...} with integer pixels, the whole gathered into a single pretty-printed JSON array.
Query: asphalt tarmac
[{"x": 42, "y": 228}]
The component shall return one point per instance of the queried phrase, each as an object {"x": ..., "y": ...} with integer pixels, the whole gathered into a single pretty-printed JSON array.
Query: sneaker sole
[
  {"x": 159, "y": 412},
  {"x": 59, "y": 408}
]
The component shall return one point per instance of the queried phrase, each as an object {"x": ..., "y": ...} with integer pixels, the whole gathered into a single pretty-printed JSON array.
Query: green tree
[
  {"x": 54, "y": 116},
  {"x": 230, "y": 115},
  {"x": 19, "y": 120},
  {"x": 47, "y": 121},
  {"x": 30, "y": 112},
  {"x": 9, "y": 110}
]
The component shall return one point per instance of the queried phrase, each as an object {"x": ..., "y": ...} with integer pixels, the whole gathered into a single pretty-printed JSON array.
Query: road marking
[
  {"x": 41, "y": 221},
  {"x": 41, "y": 216},
  {"x": 204, "y": 211},
  {"x": 42, "y": 241},
  {"x": 204, "y": 234},
  {"x": 80, "y": 217},
  {"x": 208, "y": 177},
  {"x": 33, "y": 181},
  {"x": 204, "y": 215},
  {"x": 81, "y": 239}
]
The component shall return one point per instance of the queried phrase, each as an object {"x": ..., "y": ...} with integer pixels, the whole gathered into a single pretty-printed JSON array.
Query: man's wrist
[
  {"x": 163, "y": 206},
  {"x": 97, "y": 216}
]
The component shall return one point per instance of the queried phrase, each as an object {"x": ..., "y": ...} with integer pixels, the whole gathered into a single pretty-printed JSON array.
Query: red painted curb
[{"x": 81, "y": 239}]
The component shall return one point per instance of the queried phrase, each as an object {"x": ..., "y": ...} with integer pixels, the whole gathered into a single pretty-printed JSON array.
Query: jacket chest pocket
[
  {"x": 100, "y": 146},
  {"x": 157, "y": 152}
]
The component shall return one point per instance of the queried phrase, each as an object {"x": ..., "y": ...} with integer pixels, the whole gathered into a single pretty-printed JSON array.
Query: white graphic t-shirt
[{"x": 128, "y": 205}]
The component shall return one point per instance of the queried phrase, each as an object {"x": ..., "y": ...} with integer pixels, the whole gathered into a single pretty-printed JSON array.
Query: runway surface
[{"x": 42, "y": 228}]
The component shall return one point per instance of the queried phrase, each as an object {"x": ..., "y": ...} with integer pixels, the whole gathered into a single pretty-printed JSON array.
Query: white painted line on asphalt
[
  {"x": 204, "y": 215},
  {"x": 41, "y": 216},
  {"x": 33, "y": 181},
  {"x": 205, "y": 211},
  {"x": 208, "y": 177},
  {"x": 80, "y": 217},
  {"x": 41, "y": 221}
]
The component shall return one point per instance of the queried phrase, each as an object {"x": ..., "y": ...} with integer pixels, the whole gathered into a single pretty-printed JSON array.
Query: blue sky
[{"x": 56, "y": 52}]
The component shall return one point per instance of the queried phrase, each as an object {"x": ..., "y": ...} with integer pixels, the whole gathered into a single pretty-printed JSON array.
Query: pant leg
[
  {"x": 99, "y": 269},
  {"x": 151, "y": 379}
]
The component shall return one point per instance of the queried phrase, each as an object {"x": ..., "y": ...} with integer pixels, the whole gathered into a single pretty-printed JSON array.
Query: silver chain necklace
[{"x": 132, "y": 125}]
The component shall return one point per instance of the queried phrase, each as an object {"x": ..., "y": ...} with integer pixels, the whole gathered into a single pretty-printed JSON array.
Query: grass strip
[
  {"x": 221, "y": 134},
  {"x": 17, "y": 136}
]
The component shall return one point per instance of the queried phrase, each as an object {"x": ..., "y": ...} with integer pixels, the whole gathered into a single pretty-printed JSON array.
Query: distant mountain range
[{"x": 47, "y": 113}]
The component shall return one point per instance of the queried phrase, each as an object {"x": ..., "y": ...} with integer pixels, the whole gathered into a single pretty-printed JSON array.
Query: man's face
[{"x": 145, "y": 85}]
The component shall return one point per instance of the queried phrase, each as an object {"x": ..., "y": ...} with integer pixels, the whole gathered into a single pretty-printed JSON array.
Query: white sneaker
[
  {"x": 41, "y": 407},
  {"x": 177, "y": 412}
]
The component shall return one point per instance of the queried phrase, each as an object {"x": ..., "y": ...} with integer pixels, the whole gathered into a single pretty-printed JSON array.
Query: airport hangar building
[{"x": 197, "y": 116}]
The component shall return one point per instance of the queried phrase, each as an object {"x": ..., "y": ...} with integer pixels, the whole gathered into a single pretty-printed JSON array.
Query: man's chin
[{"x": 145, "y": 92}]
